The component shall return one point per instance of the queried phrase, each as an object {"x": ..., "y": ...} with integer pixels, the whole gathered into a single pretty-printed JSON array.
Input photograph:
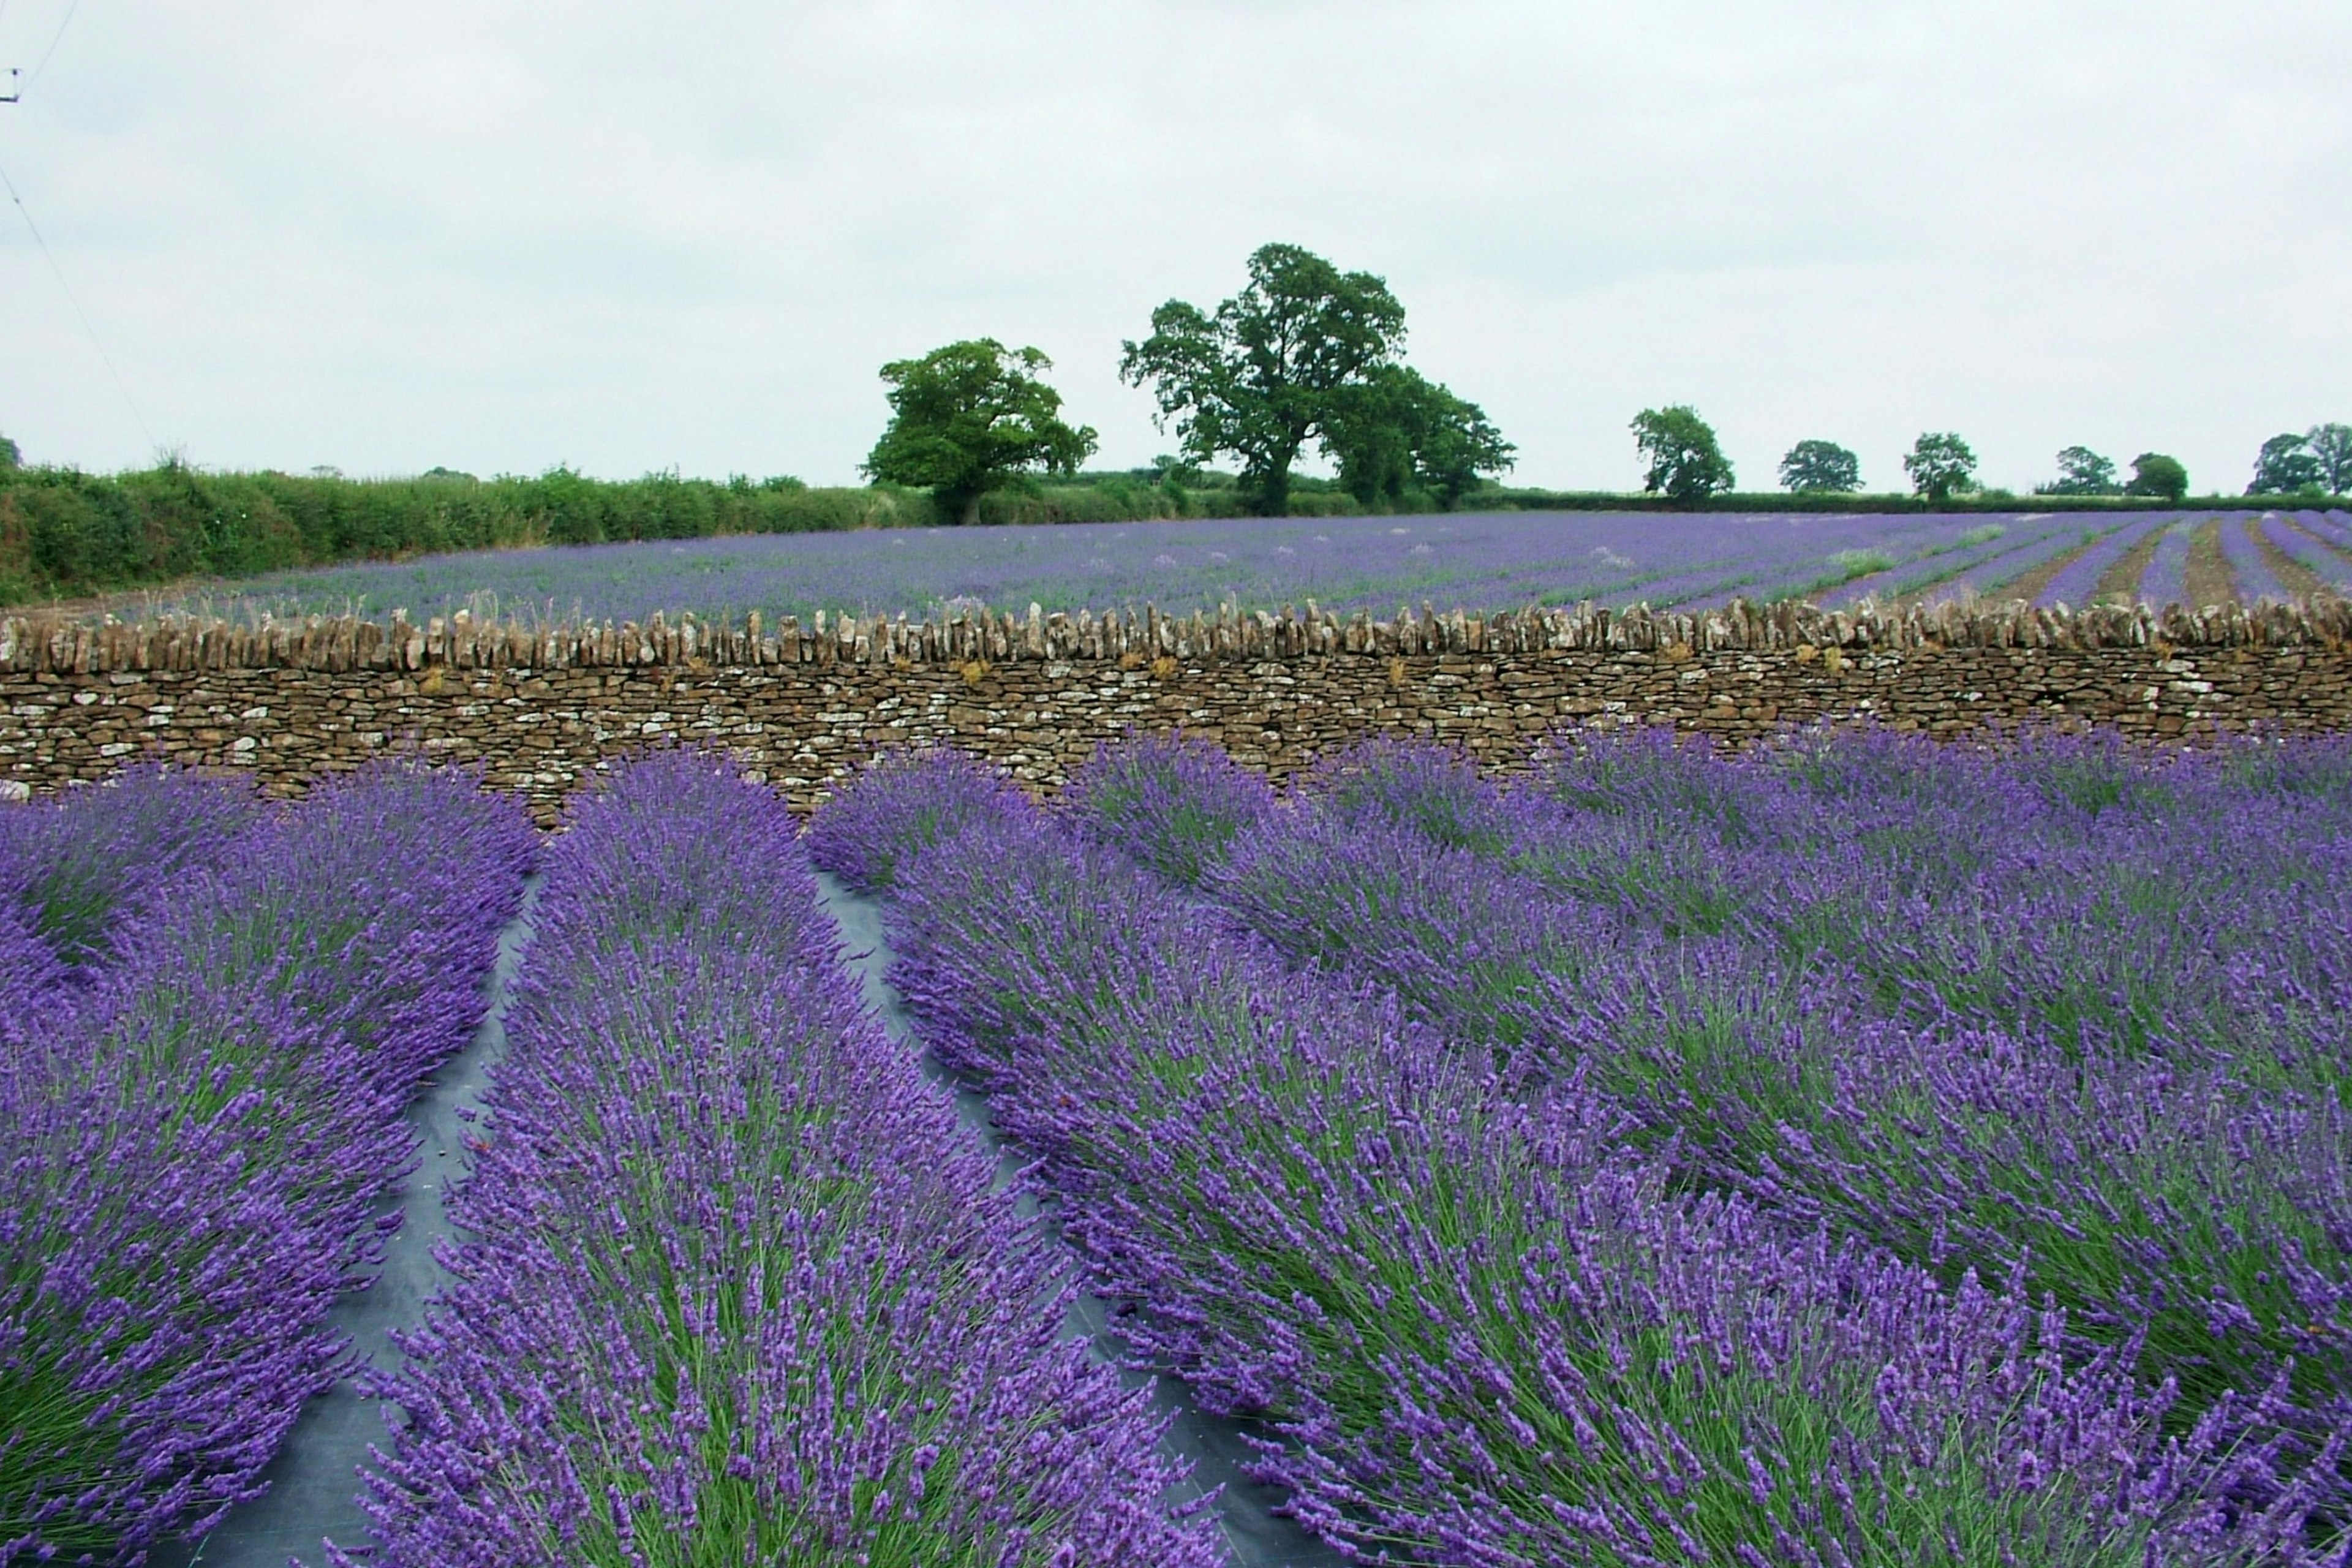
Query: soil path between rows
[
  {"x": 314, "y": 1481},
  {"x": 1256, "y": 1535}
]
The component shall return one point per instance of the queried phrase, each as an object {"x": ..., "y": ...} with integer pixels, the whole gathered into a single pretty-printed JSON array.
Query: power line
[
  {"x": 52, "y": 50},
  {"x": 75, "y": 301}
]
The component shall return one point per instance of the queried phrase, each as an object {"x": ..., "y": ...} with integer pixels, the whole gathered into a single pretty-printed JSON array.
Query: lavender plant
[
  {"x": 906, "y": 800},
  {"x": 736, "y": 1287},
  {"x": 1489, "y": 1332},
  {"x": 2182, "y": 1205},
  {"x": 196, "y": 1150},
  {"x": 1171, "y": 804},
  {"x": 84, "y": 867},
  {"x": 161, "y": 1296}
]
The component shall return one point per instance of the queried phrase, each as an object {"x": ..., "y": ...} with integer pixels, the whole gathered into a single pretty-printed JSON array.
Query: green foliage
[
  {"x": 12, "y": 456},
  {"x": 1820, "y": 468},
  {"x": 2154, "y": 474},
  {"x": 1400, "y": 433},
  {"x": 64, "y": 532},
  {"x": 967, "y": 418},
  {"x": 1686, "y": 462},
  {"x": 1275, "y": 366},
  {"x": 2082, "y": 472},
  {"x": 2286, "y": 466},
  {"x": 2331, "y": 445},
  {"x": 1941, "y": 464}
]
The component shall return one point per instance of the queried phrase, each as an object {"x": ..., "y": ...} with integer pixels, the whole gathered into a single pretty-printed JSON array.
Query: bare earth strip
[
  {"x": 2209, "y": 578},
  {"x": 2027, "y": 585},
  {"x": 2122, "y": 579},
  {"x": 2293, "y": 574},
  {"x": 2316, "y": 537}
]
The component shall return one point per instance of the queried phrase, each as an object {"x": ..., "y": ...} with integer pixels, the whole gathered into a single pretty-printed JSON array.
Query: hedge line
[{"x": 64, "y": 533}]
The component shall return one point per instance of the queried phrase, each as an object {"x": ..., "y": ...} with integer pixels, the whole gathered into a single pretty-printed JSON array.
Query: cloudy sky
[{"x": 500, "y": 236}]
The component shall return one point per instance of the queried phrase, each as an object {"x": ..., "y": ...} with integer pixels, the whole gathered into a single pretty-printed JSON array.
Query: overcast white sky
[{"x": 499, "y": 237}]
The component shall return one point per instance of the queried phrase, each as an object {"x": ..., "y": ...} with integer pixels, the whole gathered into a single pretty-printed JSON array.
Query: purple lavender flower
[
  {"x": 2167, "y": 582},
  {"x": 84, "y": 867},
  {"x": 1486, "y": 1330},
  {"x": 736, "y": 1284},
  {"x": 1171, "y": 804},
  {"x": 904, "y": 801},
  {"x": 2247, "y": 568},
  {"x": 2311, "y": 548},
  {"x": 194, "y": 1154},
  {"x": 2149, "y": 1151},
  {"x": 2077, "y": 583},
  {"x": 1466, "y": 560}
]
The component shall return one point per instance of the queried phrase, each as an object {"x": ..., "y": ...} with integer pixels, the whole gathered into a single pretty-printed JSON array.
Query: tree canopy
[
  {"x": 2332, "y": 445},
  {"x": 1402, "y": 431},
  {"x": 10, "y": 456},
  {"x": 970, "y": 417},
  {"x": 2082, "y": 472},
  {"x": 1941, "y": 466},
  {"x": 1285, "y": 360},
  {"x": 2154, "y": 474},
  {"x": 2286, "y": 466},
  {"x": 1820, "y": 468},
  {"x": 1686, "y": 462}
]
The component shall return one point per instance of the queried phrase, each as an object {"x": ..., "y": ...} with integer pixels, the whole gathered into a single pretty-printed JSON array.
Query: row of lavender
[
  {"x": 737, "y": 1288},
  {"x": 2064, "y": 1012},
  {"x": 1553, "y": 1197},
  {"x": 211, "y": 1013},
  {"x": 1470, "y": 561},
  {"x": 2079, "y": 562}
]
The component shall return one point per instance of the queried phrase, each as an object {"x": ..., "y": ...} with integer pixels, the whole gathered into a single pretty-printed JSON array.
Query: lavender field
[
  {"x": 1981, "y": 1197},
  {"x": 1471, "y": 560},
  {"x": 1527, "y": 1187}
]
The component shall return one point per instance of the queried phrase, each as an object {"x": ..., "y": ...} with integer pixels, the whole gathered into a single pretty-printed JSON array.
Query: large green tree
[
  {"x": 2332, "y": 445},
  {"x": 970, "y": 418},
  {"x": 1401, "y": 431},
  {"x": 1272, "y": 368},
  {"x": 2286, "y": 466},
  {"x": 1686, "y": 462},
  {"x": 1941, "y": 466},
  {"x": 1820, "y": 468},
  {"x": 2155, "y": 474}
]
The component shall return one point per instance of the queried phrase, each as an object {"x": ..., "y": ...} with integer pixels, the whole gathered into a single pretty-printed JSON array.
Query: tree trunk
[{"x": 1270, "y": 491}]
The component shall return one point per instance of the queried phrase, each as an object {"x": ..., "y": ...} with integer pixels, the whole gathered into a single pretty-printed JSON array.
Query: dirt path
[
  {"x": 2209, "y": 578},
  {"x": 2293, "y": 574},
  {"x": 2028, "y": 586},
  {"x": 2122, "y": 579}
]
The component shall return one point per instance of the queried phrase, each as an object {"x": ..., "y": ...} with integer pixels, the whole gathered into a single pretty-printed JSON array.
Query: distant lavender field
[{"x": 1476, "y": 560}]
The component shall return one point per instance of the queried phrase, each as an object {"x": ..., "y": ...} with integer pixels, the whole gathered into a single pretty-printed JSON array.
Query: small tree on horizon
[
  {"x": 2082, "y": 472},
  {"x": 1820, "y": 468},
  {"x": 10, "y": 455},
  {"x": 970, "y": 418},
  {"x": 2154, "y": 474},
  {"x": 2332, "y": 445},
  {"x": 1941, "y": 466},
  {"x": 1686, "y": 461}
]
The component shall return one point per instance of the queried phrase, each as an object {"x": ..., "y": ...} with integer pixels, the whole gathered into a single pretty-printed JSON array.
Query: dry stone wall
[{"x": 538, "y": 708}]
